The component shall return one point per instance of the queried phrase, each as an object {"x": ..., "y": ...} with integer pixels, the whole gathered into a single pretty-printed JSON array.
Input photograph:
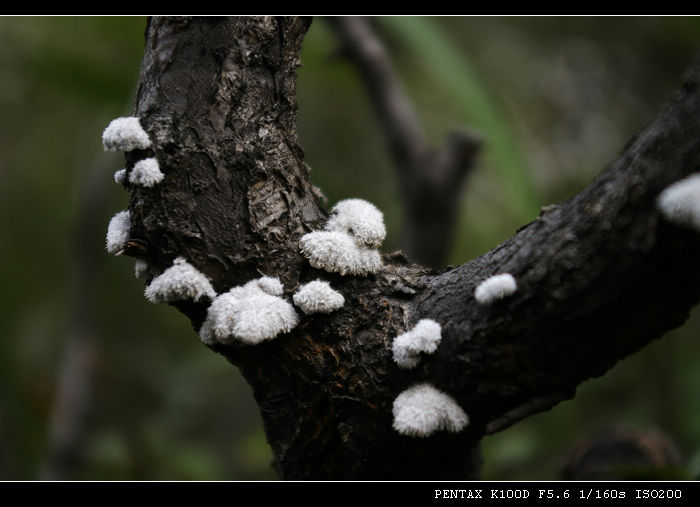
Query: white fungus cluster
[
  {"x": 268, "y": 285},
  {"x": 422, "y": 410},
  {"x": 349, "y": 243},
  {"x": 424, "y": 337},
  {"x": 495, "y": 288},
  {"x": 146, "y": 173},
  {"x": 120, "y": 176},
  {"x": 680, "y": 202},
  {"x": 337, "y": 252},
  {"x": 118, "y": 232},
  {"x": 318, "y": 297},
  {"x": 360, "y": 219},
  {"x": 181, "y": 281},
  {"x": 125, "y": 134},
  {"x": 250, "y": 313}
]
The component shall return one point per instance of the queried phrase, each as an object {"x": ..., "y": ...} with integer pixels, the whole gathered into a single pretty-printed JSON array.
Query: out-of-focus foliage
[{"x": 562, "y": 96}]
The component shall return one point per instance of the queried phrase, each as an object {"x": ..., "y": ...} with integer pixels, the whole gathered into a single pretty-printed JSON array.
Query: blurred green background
[{"x": 554, "y": 98}]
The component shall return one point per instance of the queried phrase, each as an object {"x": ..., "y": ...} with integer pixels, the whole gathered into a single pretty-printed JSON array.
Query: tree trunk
[{"x": 598, "y": 276}]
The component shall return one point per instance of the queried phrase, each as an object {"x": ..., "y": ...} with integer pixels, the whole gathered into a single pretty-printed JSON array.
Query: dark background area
[{"x": 554, "y": 100}]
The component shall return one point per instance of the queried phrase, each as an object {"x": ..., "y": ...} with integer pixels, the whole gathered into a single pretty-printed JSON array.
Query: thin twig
[
  {"x": 533, "y": 406},
  {"x": 431, "y": 180}
]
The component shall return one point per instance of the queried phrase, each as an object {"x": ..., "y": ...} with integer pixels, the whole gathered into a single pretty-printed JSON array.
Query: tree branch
[
  {"x": 431, "y": 180},
  {"x": 598, "y": 277}
]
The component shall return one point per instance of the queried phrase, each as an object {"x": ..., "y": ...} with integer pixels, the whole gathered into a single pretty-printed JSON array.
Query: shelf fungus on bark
[
  {"x": 118, "y": 232},
  {"x": 251, "y": 313},
  {"x": 125, "y": 134},
  {"x": 494, "y": 288},
  {"x": 336, "y": 252},
  {"x": 180, "y": 282},
  {"x": 360, "y": 219},
  {"x": 421, "y": 410},
  {"x": 120, "y": 176},
  {"x": 318, "y": 297},
  {"x": 349, "y": 243},
  {"x": 146, "y": 173},
  {"x": 424, "y": 337},
  {"x": 680, "y": 202},
  {"x": 268, "y": 285}
]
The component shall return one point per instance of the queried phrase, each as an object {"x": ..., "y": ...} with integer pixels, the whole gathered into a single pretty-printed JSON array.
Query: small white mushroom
[
  {"x": 422, "y": 410},
  {"x": 120, "y": 176},
  {"x": 181, "y": 281},
  {"x": 248, "y": 314},
  {"x": 337, "y": 252},
  {"x": 269, "y": 285},
  {"x": 146, "y": 173},
  {"x": 360, "y": 219},
  {"x": 141, "y": 269},
  {"x": 318, "y": 297},
  {"x": 125, "y": 134},
  {"x": 680, "y": 202},
  {"x": 495, "y": 288},
  {"x": 118, "y": 232},
  {"x": 424, "y": 337}
]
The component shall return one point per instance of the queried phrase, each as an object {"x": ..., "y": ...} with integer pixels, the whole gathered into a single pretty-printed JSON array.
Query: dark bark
[{"x": 599, "y": 276}]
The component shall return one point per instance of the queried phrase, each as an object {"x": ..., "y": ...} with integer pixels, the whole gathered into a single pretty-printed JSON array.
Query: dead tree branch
[{"x": 598, "y": 276}]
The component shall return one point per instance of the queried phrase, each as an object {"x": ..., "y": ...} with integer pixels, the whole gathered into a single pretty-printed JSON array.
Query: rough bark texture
[{"x": 599, "y": 276}]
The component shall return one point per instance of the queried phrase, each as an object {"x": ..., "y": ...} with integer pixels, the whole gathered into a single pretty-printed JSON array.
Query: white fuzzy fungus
[
  {"x": 249, "y": 314},
  {"x": 318, "y": 297},
  {"x": 424, "y": 337},
  {"x": 680, "y": 202},
  {"x": 495, "y": 288},
  {"x": 181, "y": 281},
  {"x": 348, "y": 244},
  {"x": 360, "y": 219},
  {"x": 422, "y": 410},
  {"x": 118, "y": 232},
  {"x": 337, "y": 252},
  {"x": 125, "y": 134},
  {"x": 141, "y": 269},
  {"x": 120, "y": 176},
  {"x": 146, "y": 173},
  {"x": 269, "y": 285}
]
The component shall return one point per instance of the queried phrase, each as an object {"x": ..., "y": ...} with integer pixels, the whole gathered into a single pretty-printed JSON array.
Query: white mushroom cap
[
  {"x": 125, "y": 134},
  {"x": 247, "y": 314},
  {"x": 269, "y": 285},
  {"x": 422, "y": 410},
  {"x": 424, "y": 337},
  {"x": 495, "y": 288},
  {"x": 360, "y": 219},
  {"x": 181, "y": 281},
  {"x": 120, "y": 176},
  {"x": 146, "y": 173},
  {"x": 118, "y": 232},
  {"x": 318, "y": 297},
  {"x": 680, "y": 202},
  {"x": 337, "y": 252}
]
